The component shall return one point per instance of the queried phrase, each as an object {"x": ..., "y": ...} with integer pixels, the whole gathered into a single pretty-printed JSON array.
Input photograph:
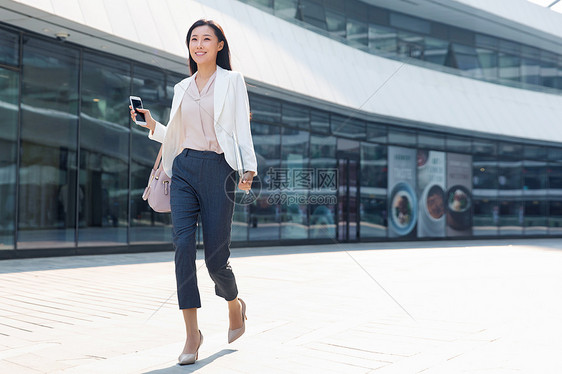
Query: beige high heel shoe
[
  {"x": 235, "y": 334},
  {"x": 190, "y": 358}
]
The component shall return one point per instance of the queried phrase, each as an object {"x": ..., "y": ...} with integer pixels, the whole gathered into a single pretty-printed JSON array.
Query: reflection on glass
[
  {"x": 319, "y": 121},
  {"x": 322, "y": 207},
  {"x": 431, "y": 141},
  {"x": 335, "y": 23},
  {"x": 295, "y": 116},
  {"x": 9, "y": 48},
  {"x": 312, "y": 12},
  {"x": 264, "y": 109},
  {"x": 402, "y": 137},
  {"x": 435, "y": 50},
  {"x": 357, "y": 33},
  {"x": 285, "y": 8},
  {"x": 374, "y": 180},
  {"x": 348, "y": 126},
  {"x": 485, "y": 192},
  {"x": 265, "y": 214},
  {"x": 104, "y": 152},
  {"x": 410, "y": 45},
  {"x": 382, "y": 39},
  {"x": 49, "y": 129},
  {"x": 555, "y": 198},
  {"x": 510, "y": 183},
  {"x": 148, "y": 226},
  {"x": 9, "y": 86},
  {"x": 294, "y": 161},
  {"x": 509, "y": 67}
]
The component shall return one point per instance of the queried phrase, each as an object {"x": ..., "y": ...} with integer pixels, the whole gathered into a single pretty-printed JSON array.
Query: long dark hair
[{"x": 223, "y": 56}]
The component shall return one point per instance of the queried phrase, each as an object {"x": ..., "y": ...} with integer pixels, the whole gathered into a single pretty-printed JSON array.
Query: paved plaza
[{"x": 423, "y": 307}]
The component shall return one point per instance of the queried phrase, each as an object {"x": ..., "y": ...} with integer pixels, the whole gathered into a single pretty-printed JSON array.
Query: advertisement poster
[
  {"x": 402, "y": 197},
  {"x": 459, "y": 195},
  {"x": 431, "y": 193}
]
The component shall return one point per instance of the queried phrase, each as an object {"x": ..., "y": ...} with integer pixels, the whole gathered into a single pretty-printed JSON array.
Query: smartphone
[{"x": 136, "y": 103}]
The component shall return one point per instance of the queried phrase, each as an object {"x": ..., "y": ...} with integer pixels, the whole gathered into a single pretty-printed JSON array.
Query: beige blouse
[{"x": 197, "y": 117}]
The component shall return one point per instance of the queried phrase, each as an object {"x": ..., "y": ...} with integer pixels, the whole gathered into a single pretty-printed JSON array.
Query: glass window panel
[
  {"x": 485, "y": 217},
  {"x": 510, "y": 175},
  {"x": 312, "y": 12},
  {"x": 322, "y": 207},
  {"x": 535, "y": 176},
  {"x": 265, "y": 109},
  {"x": 487, "y": 42},
  {"x": 9, "y": 97},
  {"x": 9, "y": 48},
  {"x": 555, "y": 216},
  {"x": 535, "y": 191},
  {"x": 530, "y": 71},
  {"x": 488, "y": 60},
  {"x": 295, "y": 116},
  {"x": 549, "y": 71},
  {"x": 294, "y": 207},
  {"x": 466, "y": 58},
  {"x": 376, "y": 133},
  {"x": 147, "y": 226},
  {"x": 265, "y": 215},
  {"x": 512, "y": 214},
  {"x": 319, "y": 121},
  {"x": 554, "y": 173},
  {"x": 482, "y": 147},
  {"x": 262, "y": 3},
  {"x": 458, "y": 144},
  {"x": 536, "y": 218},
  {"x": 485, "y": 193},
  {"x": 402, "y": 137},
  {"x": 335, "y": 22},
  {"x": 49, "y": 130},
  {"x": 535, "y": 152},
  {"x": 405, "y": 22},
  {"x": 555, "y": 154},
  {"x": 510, "y": 150},
  {"x": 348, "y": 126},
  {"x": 509, "y": 67},
  {"x": 373, "y": 205},
  {"x": 285, "y": 8},
  {"x": 383, "y": 39},
  {"x": 461, "y": 36},
  {"x": 410, "y": 45},
  {"x": 431, "y": 141},
  {"x": 357, "y": 32},
  {"x": 435, "y": 50},
  {"x": 510, "y": 183},
  {"x": 104, "y": 151}
]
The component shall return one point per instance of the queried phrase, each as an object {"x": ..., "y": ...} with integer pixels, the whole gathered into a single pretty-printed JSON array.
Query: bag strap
[{"x": 158, "y": 158}]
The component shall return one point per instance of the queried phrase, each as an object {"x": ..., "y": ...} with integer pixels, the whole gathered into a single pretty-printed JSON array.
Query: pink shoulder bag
[{"x": 158, "y": 190}]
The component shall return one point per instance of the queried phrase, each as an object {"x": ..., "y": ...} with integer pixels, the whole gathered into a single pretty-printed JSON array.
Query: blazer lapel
[
  {"x": 220, "y": 90},
  {"x": 179, "y": 91}
]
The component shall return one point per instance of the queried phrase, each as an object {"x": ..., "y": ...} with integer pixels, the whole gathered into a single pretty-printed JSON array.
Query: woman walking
[{"x": 207, "y": 138}]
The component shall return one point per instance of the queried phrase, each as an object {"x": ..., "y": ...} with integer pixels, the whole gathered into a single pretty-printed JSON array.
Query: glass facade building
[
  {"x": 73, "y": 165},
  {"x": 405, "y": 37}
]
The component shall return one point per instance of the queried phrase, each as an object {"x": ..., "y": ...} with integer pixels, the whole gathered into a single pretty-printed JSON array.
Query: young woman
[{"x": 207, "y": 138}]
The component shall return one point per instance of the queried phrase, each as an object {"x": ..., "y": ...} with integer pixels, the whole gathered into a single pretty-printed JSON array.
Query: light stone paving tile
[{"x": 12, "y": 368}]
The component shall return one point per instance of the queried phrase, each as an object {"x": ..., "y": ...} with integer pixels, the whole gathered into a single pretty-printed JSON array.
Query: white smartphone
[{"x": 136, "y": 103}]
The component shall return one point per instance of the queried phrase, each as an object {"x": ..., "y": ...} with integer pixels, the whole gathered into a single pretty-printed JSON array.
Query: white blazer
[{"x": 231, "y": 119}]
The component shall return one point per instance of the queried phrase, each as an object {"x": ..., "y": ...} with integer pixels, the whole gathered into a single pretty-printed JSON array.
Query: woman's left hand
[{"x": 245, "y": 182}]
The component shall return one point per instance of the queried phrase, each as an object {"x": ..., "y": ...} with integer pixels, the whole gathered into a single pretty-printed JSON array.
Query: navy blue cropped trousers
[{"x": 202, "y": 185}]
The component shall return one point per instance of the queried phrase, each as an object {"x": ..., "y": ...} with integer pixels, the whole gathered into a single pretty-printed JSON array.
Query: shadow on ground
[{"x": 192, "y": 368}]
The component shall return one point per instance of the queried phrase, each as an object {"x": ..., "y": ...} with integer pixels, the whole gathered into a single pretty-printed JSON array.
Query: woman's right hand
[{"x": 150, "y": 122}]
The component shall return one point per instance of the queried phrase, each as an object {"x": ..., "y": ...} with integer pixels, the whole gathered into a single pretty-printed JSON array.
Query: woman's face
[{"x": 204, "y": 45}]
